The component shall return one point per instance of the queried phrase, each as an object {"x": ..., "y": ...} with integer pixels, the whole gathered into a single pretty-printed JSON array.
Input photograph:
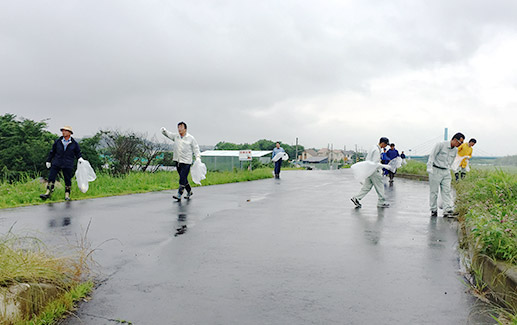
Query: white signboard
[{"x": 245, "y": 155}]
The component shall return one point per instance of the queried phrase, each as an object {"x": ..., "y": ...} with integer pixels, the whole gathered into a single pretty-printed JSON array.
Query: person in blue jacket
[
  {"x": 278, "y": 163},
  {"x": 62, "y": 158},
  {"x": 392, "y": 154},
  {"x": 384, "y": 161}
]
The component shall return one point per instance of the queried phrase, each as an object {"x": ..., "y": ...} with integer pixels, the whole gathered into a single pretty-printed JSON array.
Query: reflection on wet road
[{"x": 288, "y": 251}]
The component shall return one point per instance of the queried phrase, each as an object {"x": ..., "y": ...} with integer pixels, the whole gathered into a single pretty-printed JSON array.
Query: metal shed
[{"x": 229, "y": 159}]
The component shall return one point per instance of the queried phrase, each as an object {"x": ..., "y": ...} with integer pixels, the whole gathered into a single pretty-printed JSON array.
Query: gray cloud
[{"x": 241, "y": 70}]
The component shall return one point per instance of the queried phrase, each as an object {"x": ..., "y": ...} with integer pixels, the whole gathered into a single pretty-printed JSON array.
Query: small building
[
  {"x": 308, "y": 153},
  {"x": 316, "y": 160},
  {"x": 229, "y": 159}
]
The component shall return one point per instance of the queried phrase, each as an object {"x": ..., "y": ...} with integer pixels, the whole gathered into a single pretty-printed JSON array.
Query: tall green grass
[
  {"x": 27, "y": 191},
  {"x": 487, "y": 201},
  {"x": 25, "y": 259},
  {"x": 413, "y": 167}
]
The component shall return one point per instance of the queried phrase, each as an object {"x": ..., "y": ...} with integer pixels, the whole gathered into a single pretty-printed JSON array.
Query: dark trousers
[
  {"x": 68, "y": 173},
  {"x": 183, "y": 170},
  {"x": 278, "y": 164}
]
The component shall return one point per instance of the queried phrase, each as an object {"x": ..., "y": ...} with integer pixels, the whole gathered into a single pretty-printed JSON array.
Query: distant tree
[
  {"x": 507, "y": 161},
  {"x": 231, "y": 146},
  {"x": 90, "y": 150},
  {"x": 262, "y": 144},
  {"x": 24, "y": 147},
  {"x": 165, "y": 158},
  {"x": 122, "y": 151},
  {"x": 151, "y": 149}
]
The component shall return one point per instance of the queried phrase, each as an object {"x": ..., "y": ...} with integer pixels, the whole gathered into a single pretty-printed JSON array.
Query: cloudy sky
[{"x": 328, "y": 71}]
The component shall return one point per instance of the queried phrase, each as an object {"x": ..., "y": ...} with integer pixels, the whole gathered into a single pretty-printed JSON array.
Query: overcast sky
[{"x": 339, "y": 72}]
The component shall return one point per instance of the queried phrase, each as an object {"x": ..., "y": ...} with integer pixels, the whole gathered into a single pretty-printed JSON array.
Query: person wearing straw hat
[{"x": 61, "y": 158}]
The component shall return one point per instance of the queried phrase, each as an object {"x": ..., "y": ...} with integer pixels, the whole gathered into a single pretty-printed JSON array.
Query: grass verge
[
  {"x": 413, "y": 167},
  {"x": 61, "y": 307},
  {"x": 27, "y": 191},
  {"x": 27, "y": 260},
  {"x": 487, "y": 202}
]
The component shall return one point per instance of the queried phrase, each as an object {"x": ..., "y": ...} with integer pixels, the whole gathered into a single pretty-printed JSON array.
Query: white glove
[
  {"x": 80, "y": 159},
  {"x": 198, "y": 159},
  {"x": 48, "y": 164},
  {"x": 430, "y": 169}
]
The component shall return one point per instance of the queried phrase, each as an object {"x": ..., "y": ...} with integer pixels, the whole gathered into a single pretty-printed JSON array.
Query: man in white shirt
[
  {"x": 185, "y": 145},
  {"x": 375, "y": 179},
  {"x": 438, "y": 167}
]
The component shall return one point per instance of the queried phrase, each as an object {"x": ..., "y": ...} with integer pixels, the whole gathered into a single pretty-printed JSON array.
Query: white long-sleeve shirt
[
  {"x": 374, "y": 155},
  {"x": 184, "y": 147}
]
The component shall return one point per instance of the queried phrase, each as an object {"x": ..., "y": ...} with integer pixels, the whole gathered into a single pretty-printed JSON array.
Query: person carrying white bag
[
  {"x": 372, "y": 176},
  {"x": 185, "y": 145}
]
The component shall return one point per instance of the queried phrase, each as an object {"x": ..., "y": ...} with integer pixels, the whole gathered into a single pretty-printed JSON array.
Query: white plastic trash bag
[
  {"x": 281, "y": 155},
  {"x": 198, "y": 172},
  {"x": 395, "y": 163},
  {"x": 364, "y": 169},
  {"x": 457, "y": 162},
  {"x": 84, "y": 174}
]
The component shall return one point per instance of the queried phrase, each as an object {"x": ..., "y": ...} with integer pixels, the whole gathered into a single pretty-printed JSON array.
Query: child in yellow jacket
[{"x": 465, "y": 150}]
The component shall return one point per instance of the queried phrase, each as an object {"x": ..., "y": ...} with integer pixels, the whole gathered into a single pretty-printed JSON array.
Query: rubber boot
[
  {"x": 180, "y": 193},
  {"x": 67, "y": 193},
  {"x": 50, "y": 189},
  {"x": 189, "y": 191}
]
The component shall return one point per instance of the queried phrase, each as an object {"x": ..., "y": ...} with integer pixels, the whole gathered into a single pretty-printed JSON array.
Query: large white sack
[
  {"x": 457, "y": 162},
  {"x": 281, "y": 155},
  {"x": 198, "y": 172},
  {"x": 364, "y": 169},
  {"x": 84, "y": 174},
  {"x": 395, "y": 163}
]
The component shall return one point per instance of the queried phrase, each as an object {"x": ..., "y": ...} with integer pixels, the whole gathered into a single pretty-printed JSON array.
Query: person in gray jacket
[
  {"x": 438, "y": 167},
  {"x": 375, "y": 179},
  {"x": 185, "y": 145}
]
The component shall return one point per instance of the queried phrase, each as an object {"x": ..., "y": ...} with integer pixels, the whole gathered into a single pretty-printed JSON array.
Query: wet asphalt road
[{"x": 289, "y": 251}]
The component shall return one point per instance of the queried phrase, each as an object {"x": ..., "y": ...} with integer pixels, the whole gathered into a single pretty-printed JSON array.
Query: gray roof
[{"x": 316, "y": 159}]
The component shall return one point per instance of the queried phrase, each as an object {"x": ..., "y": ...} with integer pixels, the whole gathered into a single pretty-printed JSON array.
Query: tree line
[
  {"x": 25, "y": 144},
  {"x": 262, "y": 144}
]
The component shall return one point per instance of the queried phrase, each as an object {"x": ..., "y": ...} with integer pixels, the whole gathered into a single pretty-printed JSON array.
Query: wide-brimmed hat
[{"x": 68, "y": 128}]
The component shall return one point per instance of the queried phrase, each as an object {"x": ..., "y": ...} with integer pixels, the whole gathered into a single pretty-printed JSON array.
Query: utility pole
[
  {"x": 355, "y": 153},
  {"x": 446, "y": 134},
  {"x": 328, "y": 155},
  {"x": 331, "y": 153},
  {"x": 296, "y": 158}
]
